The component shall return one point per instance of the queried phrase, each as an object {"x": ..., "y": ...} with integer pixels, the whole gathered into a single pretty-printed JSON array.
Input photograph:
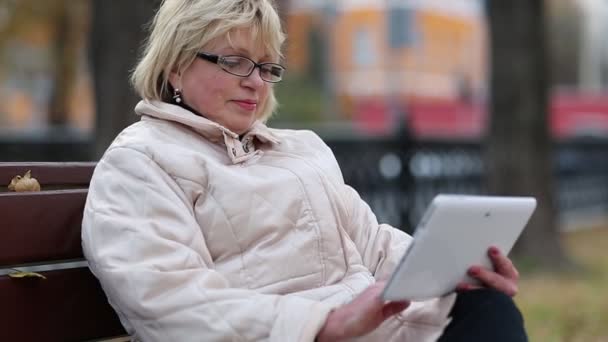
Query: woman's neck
[
  {"x": 188, "y": 108},
  {"x": 185, "y": 106}
]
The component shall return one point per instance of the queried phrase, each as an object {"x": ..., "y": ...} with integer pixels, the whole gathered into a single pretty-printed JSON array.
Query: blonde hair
[{"x": 182, "y": 27}]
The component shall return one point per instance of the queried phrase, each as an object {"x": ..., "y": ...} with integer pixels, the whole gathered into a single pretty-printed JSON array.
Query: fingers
[
  {"x": 393, "y": 308},
  {"x": 494, "y": 280},
  {"x": 373, "y": 293},
  {"x": 380, "y": 284},
  {"x": 503, "y": 278},
  {"x": 366, "y": 312},
  {"x": 388, "y": 308},
  {"x": 502, "y": 264},
  {"x": 467, "y": 287}
]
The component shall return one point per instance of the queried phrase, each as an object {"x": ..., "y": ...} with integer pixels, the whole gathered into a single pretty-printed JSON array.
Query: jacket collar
[
  {"x": 207, "y": 128},
  {"x": 238, "y": 149}
]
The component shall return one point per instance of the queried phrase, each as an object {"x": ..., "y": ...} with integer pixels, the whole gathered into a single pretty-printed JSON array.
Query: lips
[{"x": 249, "y": 105}]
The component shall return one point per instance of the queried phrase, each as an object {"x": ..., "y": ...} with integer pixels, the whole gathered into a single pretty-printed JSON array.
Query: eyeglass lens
[{"x": 241, "y": 66}]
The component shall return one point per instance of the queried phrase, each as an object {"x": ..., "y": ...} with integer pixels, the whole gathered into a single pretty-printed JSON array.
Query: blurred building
[
  {"x": 376, "y": 61},
  {"x": 427, "y": 60},
  {"x": 37, "y": 41},
  {"x": 383, "y": 54}
]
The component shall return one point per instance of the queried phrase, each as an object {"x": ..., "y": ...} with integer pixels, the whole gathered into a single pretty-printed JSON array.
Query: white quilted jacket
[{"x": 196, "y": 235}]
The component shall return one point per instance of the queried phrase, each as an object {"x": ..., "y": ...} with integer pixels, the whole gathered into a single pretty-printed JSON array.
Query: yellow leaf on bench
[
  {"x": 20, "y": 274},
  {"x": 25, "y": 183}
]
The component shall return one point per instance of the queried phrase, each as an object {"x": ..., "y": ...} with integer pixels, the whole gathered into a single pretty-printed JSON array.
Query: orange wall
[
  {"x": 450, "y": 44},
  {"x": 344, "y": 37},
  {"x": 298, "y": 26},
  {"x": 446, "y": 47}
]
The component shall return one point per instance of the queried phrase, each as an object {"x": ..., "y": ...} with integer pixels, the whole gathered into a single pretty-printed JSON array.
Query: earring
[{"x": 177, "y": 96}]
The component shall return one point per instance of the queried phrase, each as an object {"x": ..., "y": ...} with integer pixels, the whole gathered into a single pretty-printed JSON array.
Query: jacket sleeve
[
  {"x": 143, "y": 243},
  {"x": 381, "y": 246}
]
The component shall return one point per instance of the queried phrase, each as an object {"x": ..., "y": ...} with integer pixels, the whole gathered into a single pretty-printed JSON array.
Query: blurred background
[{"x": 415, "y": 97}]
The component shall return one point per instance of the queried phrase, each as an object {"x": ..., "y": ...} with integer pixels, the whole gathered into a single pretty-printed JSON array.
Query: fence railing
[
  {"x": 398, "y": 180},
  {"x": 398, "y": 177}
]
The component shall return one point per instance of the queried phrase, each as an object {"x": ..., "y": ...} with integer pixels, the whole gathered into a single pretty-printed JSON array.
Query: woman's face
[{"x": 232, "y": 101}]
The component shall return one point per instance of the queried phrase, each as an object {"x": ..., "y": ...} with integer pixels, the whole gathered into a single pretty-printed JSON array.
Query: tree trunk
[
  {"x": 65, "y": 59},
  {"x": 116, "y": 37},
  {"x": 519, "y": 147}
]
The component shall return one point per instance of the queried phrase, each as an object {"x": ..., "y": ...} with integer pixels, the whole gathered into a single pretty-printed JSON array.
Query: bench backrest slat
[
  {"x": 43, "y": 228},
  {"x": 50, "y": 174},
  {"x": 68, "y": 305}
]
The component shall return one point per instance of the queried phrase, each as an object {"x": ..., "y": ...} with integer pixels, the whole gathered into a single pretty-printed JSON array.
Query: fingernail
[
  {"x": 464, "y": 287},
  {"x": 494, "y": 251},
  {"x": 474, "y": 271}
]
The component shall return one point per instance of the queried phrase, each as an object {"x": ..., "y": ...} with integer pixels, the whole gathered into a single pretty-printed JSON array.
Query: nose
[{"x": 255, "y": 79}]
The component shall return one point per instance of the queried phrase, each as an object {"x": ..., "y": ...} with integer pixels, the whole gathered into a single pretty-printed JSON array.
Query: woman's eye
[
  {"x": 276, "y": 71},
  {"x": 272, "y": 70},
  {"x": 231, "y": 63}
]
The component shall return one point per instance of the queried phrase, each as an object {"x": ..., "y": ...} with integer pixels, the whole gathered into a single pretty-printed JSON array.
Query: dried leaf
[
  {"x": 20, "y": 274},
  {"x": 24, "y": 183},
  {"x": 14, "y": 181}
]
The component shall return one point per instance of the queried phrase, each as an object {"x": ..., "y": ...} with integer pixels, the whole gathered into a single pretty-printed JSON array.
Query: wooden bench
[{"x": 40, "y": 232}]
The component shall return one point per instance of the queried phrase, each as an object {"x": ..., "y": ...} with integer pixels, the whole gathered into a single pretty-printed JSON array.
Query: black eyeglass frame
[{"x": 217, "y": 59}]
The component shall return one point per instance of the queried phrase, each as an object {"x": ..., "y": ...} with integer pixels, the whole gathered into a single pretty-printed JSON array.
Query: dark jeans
[{"x": 485, "y": 315}]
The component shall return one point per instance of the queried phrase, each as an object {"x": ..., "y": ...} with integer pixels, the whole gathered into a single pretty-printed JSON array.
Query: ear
[{"x": 175, "y": 79}]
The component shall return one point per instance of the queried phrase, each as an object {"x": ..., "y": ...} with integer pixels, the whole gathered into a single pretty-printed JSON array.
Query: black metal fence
[
  {"x": 57, "y": 144},
  {"x": 582, "y": 181},
  {"x": 398, "y": 177}
]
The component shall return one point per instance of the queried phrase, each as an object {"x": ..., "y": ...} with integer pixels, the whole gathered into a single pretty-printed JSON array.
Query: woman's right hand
[{"x": 361, "y": 316}]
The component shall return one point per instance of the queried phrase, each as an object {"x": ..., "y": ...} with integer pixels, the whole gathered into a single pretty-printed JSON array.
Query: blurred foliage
[
  {"x": 570, "y": 307},
  {"x": 301, "y": 99}
]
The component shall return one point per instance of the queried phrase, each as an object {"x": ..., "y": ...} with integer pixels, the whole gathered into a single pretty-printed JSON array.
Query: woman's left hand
[{"x": 503, "y": 278}]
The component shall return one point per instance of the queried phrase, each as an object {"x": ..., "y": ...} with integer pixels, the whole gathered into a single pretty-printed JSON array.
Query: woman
[{"x": 203, "y": 224}]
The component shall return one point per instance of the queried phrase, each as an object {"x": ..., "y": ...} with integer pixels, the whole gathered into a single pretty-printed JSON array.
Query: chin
[{"x": 241, "y": 127}]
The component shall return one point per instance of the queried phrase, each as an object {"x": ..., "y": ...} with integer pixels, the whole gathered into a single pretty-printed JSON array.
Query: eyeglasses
[{"x": 243, "y": 66}]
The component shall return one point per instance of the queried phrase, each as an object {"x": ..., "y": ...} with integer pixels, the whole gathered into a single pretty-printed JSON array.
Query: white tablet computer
[{"x": 453, "y": 235}]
